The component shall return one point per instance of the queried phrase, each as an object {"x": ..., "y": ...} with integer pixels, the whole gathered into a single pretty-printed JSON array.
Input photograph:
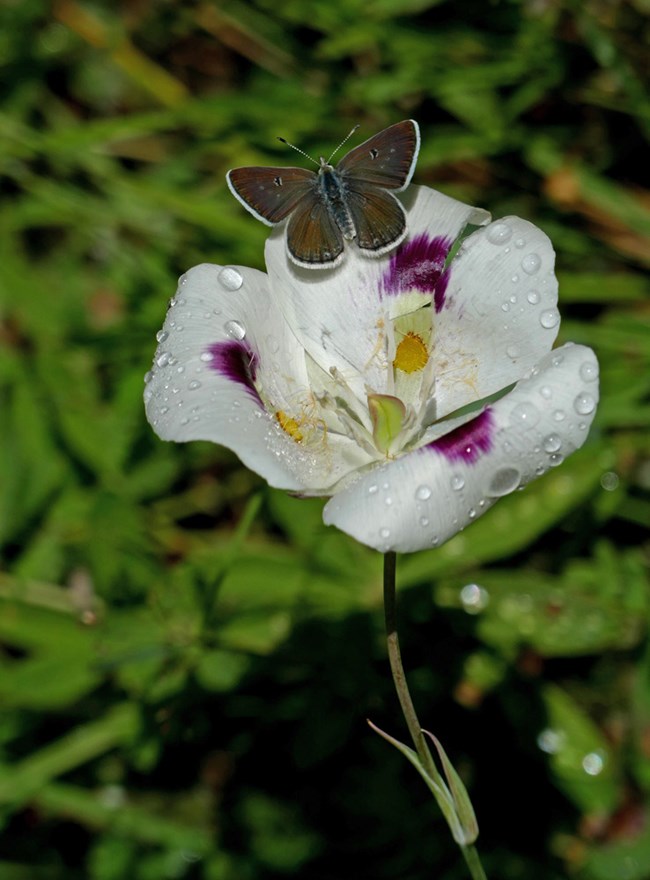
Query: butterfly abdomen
[{"x": 333, "y": 193}]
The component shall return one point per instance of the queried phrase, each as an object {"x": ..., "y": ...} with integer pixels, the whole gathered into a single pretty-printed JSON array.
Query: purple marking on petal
[
  {"x": 469, "y": 442},
  {"x": 237, "y": 361},
  {"x": 419, "y": 264}
]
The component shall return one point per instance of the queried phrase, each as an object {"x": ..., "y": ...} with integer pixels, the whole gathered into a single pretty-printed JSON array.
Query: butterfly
[{"x": 353, "y": 201}]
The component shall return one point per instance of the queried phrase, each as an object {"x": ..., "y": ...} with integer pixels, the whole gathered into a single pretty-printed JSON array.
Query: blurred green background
[{"x": 187, "y": 658}]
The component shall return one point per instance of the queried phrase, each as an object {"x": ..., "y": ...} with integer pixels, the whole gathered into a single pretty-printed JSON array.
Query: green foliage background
[{"x": 187, "y": 658}]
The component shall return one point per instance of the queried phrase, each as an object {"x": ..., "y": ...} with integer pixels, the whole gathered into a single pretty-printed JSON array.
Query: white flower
[{"x": 414, "y": 389}]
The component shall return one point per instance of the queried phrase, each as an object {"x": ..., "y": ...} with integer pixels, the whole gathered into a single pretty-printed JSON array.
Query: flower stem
[{"x": 470, "y": 853}]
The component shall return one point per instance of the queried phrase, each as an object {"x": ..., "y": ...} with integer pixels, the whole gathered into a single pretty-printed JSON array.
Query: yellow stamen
[
  {"x": 289, "y": 426},
  {"x": 411, "y": 354}
]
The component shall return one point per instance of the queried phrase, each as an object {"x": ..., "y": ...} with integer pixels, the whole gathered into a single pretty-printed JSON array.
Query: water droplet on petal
[
  {"x": 162, "y": 336},
  {"x": 533, "y": 297},
  {"x": 424, "y": 521},
  {"x": 531, "y": 263},
  {"x": 556, "y": 459},
  {"x": 559, "y": 415},
  {"x": 206, "y": 356},
  {"x": 372, "y": 490},
  {"x": 513, "y": 351},
  {"x": 520, "y": 243},
  {"x": 503, "y": 481},
  {"x": 384, "y": 533},
  {"x": 457, "y": 482},
  {"x": 148, "y": 376},
  {"x": 163, "y": 359},
  {"x": 388, "y": 500},
  {"x": 235, "y": 329},
  {"x": 525, "y": 414},
  {"x": 552, "y": 443},
  {"x": 584, "y": 404},
  {"x": 549, "y": 318},
  {"x": 546, "y": 392},
  {"x": 498, "y": 233},
  {"x": 230, "y": 278},
  {"x": 423, "y": 493},
  {"x": 589, "y": 371},
  {"x": 194, "y": 385}
]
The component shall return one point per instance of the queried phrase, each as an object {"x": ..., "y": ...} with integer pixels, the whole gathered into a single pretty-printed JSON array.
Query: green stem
[{"x": 470, "y": 853}]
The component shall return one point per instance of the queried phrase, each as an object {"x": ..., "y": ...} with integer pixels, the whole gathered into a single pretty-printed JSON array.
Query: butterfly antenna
[
  {"x": 298, "y": 150},
  {"x": 345, "y": 140}
]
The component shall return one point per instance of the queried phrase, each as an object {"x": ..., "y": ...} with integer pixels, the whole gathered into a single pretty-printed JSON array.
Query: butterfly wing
[
  {"x": 271, "y": 194},
  {"x": 378, "y": 218},
  {"x": 313, "y": 238},
  {"x": 387, "y": 159}
]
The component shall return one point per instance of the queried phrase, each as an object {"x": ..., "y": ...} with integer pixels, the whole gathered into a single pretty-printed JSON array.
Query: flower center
[
  {"x": 411, "y": 354},
  {"x": 289, "y": 426}
]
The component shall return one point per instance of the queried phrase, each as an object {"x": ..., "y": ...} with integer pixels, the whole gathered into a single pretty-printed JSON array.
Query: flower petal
[
  {"x": 425, "y": 497},
  {"x": 499, "y": 315},
  {"x": 223, "y": 348},
  {"x": 339, "y": 315}
]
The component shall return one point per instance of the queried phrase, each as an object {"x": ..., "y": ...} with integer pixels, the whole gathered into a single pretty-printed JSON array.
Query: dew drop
[
  {"x": 515, "y": 279},
  {"x": 559, "y": 415},
  {"x": 556, "y": 459},
  {"x": 457, "y": 482},
  {"x": 423, "y": 493},
  {"x": 531, "y": 263},
  {"x": 471, "y": 513},
  {"x": 162, "y": 336},
  {"x": 584, "y": 404},
  {"x": 513, "y": 351},
  {"x": 533, "y": 297},
  {"x": 505, "y": 307},
  {"x": 194, "y": 385},
  {"x": 551, "y": 741},
  {"x": 589, "y": 371},
  {"x": 384, "y": 533},
  {"x": 546, "y": 392},
  {"x": 552, "y": 443},
  {"x": 474, "y": 598},
  {"x": 503, "y": 482},
  {"x": 593, "y": 763},
  {"x": 235, "y": 329},
  {"x": 388, "y": 501},
  {"x": 372, "y": 490},
  {"x": 163, "y": 359},
  {"x": 520, "y": 243},
  {"x": 499, "y": 233},
  {"x": 182, "y": 279},
  {"x": 148, "y": 394},
  {"x": 148, "y": 376},
  {"x": 525, "y": 414},
  {"x": 549, "y": 318},
  {"x": 206, "y": 356},
  {"x": 230, "y": 278},
  {"x": 609, "y": 481},
  {"x": 424, "y": 521}
]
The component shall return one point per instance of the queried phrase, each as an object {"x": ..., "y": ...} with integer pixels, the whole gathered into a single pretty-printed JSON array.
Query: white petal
[
  {"x": 499, "y": 315},
  {"x": 221, "y": 329},
  {"x": 340, "y": 314},
  {"x": 425, "y": 497}
]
